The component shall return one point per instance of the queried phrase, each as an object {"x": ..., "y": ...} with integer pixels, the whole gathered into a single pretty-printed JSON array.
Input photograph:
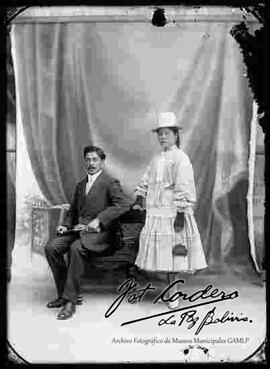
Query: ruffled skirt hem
[{"x": 156, "y": 246}]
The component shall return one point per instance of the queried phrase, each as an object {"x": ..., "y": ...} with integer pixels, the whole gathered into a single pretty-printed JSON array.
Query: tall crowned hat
[{"x": 167, "y": 120}]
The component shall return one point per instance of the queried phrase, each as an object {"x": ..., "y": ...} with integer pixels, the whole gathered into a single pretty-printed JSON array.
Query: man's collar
[{"x": 93, "y": 176}]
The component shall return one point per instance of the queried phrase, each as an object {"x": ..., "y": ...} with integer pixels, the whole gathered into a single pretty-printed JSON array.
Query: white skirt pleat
[{"x": 157, "y": 239}]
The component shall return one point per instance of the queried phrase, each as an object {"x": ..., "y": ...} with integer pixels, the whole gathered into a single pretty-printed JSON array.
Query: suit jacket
[{"x": 105, "y": 201}]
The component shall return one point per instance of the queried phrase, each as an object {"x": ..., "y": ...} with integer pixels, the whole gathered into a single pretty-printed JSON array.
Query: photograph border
[{"x": 17, "y": 15}]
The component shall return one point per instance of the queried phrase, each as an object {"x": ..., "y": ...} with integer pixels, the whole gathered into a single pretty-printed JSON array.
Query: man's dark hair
[{"x": 95, "y": 149}]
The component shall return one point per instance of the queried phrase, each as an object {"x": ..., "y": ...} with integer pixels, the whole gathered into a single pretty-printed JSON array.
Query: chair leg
[
  {"x": 131, "y": 270},
  {"x": 127, "y": 271}
]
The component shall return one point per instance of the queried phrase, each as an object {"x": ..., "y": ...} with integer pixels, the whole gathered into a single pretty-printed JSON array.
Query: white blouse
[{"x": 169, "y": 181}]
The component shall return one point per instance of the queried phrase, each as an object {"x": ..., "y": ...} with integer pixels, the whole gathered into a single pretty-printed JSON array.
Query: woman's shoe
[{"x": 173, "y": 304}]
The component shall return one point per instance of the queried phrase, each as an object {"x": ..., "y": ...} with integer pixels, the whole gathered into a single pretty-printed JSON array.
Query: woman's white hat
[{"x": 167, "y": 120}]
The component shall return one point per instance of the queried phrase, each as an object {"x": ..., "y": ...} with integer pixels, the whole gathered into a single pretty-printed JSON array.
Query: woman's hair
[
  {"x": 176, "y": 132},
  {"x": 95, "y": 149}
]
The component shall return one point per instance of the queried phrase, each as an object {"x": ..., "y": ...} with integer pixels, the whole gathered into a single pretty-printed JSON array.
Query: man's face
[{"x": 93, "y": 163}]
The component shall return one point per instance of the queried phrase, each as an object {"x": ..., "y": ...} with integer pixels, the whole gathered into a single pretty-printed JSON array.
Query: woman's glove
[
  {"x": 179, "y": 222},
  {"x": 138, "y": 204}
]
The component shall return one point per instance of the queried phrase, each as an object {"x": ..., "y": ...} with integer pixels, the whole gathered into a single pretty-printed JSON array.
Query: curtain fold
[
  {"x": 10, "y": 158},
  {"x": 105, "y": 84},
  {"x": 11, "y": 208}
]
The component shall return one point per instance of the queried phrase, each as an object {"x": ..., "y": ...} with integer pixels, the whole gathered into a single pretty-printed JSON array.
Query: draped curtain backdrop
[{"x": 105, "y": 83}]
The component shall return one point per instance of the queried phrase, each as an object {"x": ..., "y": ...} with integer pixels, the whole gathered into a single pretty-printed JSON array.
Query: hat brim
[{"x": 177, "y": 127}]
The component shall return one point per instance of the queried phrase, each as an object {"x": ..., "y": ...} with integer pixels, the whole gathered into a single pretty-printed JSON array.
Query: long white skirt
[{"x": 158, "y": 237}]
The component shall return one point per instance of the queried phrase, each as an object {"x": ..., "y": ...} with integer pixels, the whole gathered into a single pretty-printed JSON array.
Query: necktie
[{"x": 88, "y": 185}]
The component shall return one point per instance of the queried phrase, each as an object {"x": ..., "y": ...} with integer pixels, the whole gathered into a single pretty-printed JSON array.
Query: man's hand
[
  {"x": 179, "y": 222},
  {"x": 79, "y": 227},
  {"x": 61, "y": 229},
  {"x": 93, "y": 225}
]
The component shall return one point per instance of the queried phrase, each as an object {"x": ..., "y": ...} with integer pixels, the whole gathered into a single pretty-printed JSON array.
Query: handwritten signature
[{"x": 130, "y": 291}]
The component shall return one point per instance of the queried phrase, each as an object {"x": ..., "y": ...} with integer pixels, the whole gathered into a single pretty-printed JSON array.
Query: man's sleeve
[
  {"x": 120, "y": 203},
  {"x": 72, "y": 215}
]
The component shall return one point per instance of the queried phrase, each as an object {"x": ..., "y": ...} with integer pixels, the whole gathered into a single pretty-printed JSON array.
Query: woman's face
[{"x": 166, "y": 137}]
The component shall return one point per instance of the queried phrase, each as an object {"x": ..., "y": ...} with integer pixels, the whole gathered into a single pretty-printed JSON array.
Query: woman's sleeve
[
  {"x": 184, "y": 196},
  {"x": 142, "y": 188}
]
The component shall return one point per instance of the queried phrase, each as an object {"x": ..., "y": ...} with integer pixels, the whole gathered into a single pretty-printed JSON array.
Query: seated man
[{"x": 98, "y": 200}]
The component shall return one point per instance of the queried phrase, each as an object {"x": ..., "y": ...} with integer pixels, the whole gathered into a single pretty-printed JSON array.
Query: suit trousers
[{"x": 66, "y": 276}]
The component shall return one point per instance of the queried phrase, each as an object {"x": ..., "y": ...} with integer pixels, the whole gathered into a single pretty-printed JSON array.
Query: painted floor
[{"x": 37, "y": 336}]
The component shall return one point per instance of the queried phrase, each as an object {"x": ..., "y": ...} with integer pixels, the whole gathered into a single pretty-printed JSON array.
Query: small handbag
[{"x": 179, "y": 250}]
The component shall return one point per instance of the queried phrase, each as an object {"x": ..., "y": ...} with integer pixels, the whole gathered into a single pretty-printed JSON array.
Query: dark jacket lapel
[
  {"x": 81, "y": 190},
  {"x": 100, "y": 179}
]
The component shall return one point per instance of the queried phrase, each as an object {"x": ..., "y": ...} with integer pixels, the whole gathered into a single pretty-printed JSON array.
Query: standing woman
[{"x": 170, "y": 240}]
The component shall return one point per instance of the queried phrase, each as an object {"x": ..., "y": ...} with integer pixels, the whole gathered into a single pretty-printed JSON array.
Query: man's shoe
[
  {"x": 67, "y": 311},
  {"x": 56, "y": 303},
  {"x": 59, "y": 302}
]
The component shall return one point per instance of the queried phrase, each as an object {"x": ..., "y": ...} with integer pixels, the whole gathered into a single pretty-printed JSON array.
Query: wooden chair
[
  {"x": 125, "y": 247},
  {"x": 124, "y": 250}
]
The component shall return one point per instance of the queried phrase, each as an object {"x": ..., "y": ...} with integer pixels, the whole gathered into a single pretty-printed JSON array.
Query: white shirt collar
[{"x": 93, "y": 177}]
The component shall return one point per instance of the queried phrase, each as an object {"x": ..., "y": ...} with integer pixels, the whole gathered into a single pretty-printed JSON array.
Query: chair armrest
[
  {"x": 64, "y": 208},
  {"x": 133, "y": 216}
]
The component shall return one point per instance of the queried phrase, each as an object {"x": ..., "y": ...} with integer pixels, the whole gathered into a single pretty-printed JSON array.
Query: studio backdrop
[{"x": 105, "y": 83}]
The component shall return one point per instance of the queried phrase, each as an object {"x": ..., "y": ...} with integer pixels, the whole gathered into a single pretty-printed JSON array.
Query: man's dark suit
[{"x": 105, "y": 201}]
